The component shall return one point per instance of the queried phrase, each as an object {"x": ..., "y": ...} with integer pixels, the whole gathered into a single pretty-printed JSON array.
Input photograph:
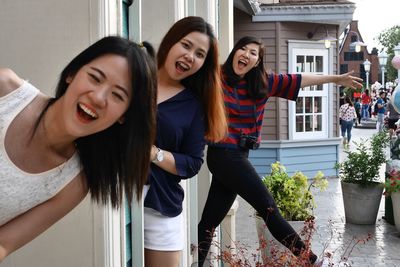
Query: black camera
[{"x": 248, "y": 141}]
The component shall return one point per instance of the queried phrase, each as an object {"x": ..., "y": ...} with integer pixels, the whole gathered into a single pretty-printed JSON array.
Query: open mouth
[
  {"x": 242, "y": 63},
  {"x": 182, "y": 67},
  {"x": 86, "y": 113}
]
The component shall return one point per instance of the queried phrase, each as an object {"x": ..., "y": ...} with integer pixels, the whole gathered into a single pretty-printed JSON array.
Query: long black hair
[
  {"x": 117, "y": 160},
  {"x": 256, "y": 78}
]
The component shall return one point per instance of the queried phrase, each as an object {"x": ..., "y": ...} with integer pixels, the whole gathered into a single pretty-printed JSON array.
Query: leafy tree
[{"x": 389, "y": 38}]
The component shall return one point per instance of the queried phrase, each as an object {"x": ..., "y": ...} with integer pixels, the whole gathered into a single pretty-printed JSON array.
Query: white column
[
  {"x": 135, "y": 21},
  {"x": 225, "y": 29},
  {"x": 383, "y": 76}
]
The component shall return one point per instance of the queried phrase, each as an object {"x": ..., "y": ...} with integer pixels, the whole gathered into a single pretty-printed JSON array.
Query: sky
[{"x": 375, "y": 16}]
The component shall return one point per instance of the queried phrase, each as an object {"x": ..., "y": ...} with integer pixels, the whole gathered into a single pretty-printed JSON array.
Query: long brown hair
[{"x": 205, "y": 83}]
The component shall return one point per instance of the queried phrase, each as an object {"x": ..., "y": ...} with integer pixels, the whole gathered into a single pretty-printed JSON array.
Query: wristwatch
[{"x": 159, "y": 155}]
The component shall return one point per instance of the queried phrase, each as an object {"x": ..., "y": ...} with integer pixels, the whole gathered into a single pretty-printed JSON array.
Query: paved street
[{"x": 382, "y": 250}]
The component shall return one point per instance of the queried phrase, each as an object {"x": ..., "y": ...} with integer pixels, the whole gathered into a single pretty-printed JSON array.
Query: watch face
[{"x": 160, "y": 155}]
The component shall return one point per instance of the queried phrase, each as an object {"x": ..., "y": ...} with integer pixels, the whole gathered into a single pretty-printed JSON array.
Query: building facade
[
  {"x": 351, "y": 60},
  {"x": 302, "y": 135}
]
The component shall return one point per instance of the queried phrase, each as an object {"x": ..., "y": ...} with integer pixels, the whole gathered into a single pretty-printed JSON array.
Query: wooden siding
[
  {"x": 309, "y": 159},
  {"x": 275, "y": 36}
]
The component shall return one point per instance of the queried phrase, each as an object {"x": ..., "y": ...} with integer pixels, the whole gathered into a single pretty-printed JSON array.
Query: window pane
[
  {"x": 300, "y": 64},
  {"x": 317, "y": 122},
  {"x": 299, "y": 124},
  {"x": 299, "y": 105},
  {"x": 317, "y": 104},
  {"x": 309, "y": 64},
  {"x": 308, "y": 124},
  {"x": 319, "y": 64},
  {"x": 319, "y": 87},
  {"x": 308, "y": 105}
]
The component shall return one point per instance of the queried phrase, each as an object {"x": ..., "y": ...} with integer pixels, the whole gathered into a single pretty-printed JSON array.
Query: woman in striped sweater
[{"x": 247, "y": 87}]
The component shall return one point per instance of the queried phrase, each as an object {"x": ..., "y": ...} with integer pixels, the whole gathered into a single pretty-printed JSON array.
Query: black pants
[{"x": 233, "y": 174}]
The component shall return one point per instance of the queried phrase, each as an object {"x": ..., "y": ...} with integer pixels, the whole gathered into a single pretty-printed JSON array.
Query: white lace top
[{"x": 19, "y": 190}]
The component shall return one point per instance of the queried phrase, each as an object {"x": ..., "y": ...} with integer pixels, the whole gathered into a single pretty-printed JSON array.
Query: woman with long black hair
[{"x": 247, "y": 87}]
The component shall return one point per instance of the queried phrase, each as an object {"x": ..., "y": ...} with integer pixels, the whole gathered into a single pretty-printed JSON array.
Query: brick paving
[{"x": 382, "y": 250}]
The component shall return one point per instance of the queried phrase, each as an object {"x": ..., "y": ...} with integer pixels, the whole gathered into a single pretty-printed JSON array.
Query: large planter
[
  {"x": 267, "y": 241},
  {"x": 396, "y": 209},
  {"x": 361, "y": 203}
]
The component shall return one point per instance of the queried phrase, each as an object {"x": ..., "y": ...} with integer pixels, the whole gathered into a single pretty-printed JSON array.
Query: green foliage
[
  {"x": 362, "y": 165},
  {"x": 293, "y": 195},
  {"x": 389, "y": 39},
  {"x": 350, "y": 91}
]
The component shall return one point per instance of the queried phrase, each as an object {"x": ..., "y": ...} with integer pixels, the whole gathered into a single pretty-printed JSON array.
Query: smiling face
[
  {"x": 187, "y": 56},
  {"x": 245, "y": 58},
  {"x": 98, "y": 94}
]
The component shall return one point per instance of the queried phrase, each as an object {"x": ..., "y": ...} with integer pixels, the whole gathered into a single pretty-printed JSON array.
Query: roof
[{"x": 336, "y": 12}]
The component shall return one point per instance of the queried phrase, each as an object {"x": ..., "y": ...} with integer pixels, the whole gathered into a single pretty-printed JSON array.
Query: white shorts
[{"x": 162, "y": 233}]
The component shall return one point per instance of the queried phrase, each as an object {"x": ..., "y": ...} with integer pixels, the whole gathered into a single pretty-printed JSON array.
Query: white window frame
[{"x": 315, "y": 49}]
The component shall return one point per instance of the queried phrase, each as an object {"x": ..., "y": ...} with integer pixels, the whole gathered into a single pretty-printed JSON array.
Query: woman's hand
[
  {"x": 2, "y": 253},
  {"x": 153, "y": 153},
  {"x": 347, "y": 80}
]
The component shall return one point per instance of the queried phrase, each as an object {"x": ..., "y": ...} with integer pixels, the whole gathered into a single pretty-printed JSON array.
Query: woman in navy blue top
[
  {"x": 247, "y": 88},
  {"x": 190, "y": 111}
]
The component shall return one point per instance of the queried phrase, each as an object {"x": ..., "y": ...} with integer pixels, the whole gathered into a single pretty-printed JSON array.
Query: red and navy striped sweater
[{"x": 243, "y": 117}]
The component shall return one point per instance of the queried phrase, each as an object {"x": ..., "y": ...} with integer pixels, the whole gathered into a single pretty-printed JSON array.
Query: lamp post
[
  {"x": 396, "y": 51},
  {"x": 382, "y": 63},
  {"x": 367, "y": 68}
]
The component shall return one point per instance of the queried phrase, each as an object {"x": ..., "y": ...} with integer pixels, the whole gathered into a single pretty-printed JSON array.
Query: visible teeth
[
  {"x": 242, "y": 61},
  {"x": 87, "y": 111},
  {"x": 183, "y": 65}
]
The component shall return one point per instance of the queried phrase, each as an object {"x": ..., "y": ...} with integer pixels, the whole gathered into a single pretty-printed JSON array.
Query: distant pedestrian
[
  {"x": 347, "y": 114},
  {"x": 357, "y": 107},
  {"x": 381, "y": 105},
  {"x": 365, "y": 102}
]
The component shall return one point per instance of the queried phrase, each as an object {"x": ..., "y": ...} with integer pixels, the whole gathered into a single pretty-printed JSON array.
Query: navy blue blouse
[{"x": 180, "y": 130}]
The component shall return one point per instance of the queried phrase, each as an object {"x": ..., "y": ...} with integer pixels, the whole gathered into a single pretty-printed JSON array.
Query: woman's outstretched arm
[{"x": 346, "y": 80}]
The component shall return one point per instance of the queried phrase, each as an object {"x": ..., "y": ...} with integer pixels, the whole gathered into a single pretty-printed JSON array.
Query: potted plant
[
  {"x": 393, "y": 165},
  {"x": 392, "y": 189},
  {"x": 293, "y": 197},
  {"x": 360, "y": 181}
]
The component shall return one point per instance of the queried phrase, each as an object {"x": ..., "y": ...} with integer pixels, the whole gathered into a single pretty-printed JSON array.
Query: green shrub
[
  {"x": 292, "y": 194},
  {"x": 362, "y": 165}
]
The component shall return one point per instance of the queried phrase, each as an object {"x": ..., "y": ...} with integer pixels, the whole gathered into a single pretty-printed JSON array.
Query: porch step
[{"x": 367, "y": 124}]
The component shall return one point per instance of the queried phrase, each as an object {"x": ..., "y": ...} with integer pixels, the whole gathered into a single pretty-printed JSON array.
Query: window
[
  {"x": 353, "y": 56},
  {"x": 344, "y": 68},
  {"x": 309, "y": 113}
]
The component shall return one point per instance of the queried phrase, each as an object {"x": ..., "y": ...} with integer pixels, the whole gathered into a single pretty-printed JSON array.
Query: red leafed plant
[
  {"x": 240, "y": 256},
  {"x": 392, "y": 184}
]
